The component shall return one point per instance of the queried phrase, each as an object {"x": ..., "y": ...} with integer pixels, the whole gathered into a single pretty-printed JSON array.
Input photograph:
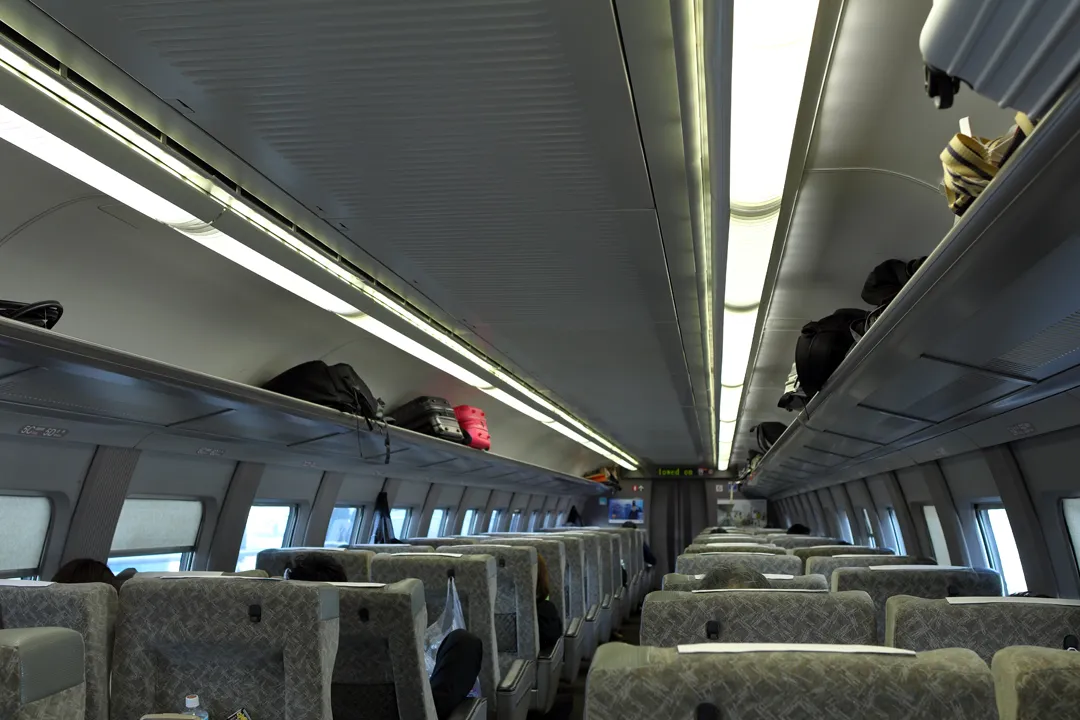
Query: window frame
[
  {"x": 290, "y": 525},
  {"x": 990, "y": 542},
  {"x": 354, "y": 531},
  {"x": 494, "y": 520},
  {"x": 187, "y": 554},
  {"x": 468, "y": 521},
  {"x": 871, "y": 537},
  {"x": 533, "y": 518},
  {"x": 35, "y": 572},
  {"x": 515, "y": 520},
  {"x": 894, "y": 525},
  {"x": 927, "y": 509},
  {"x": 403, "y": 533},
  {"x": 844, "y": 526},
  {"x": 438, "y": 532}
]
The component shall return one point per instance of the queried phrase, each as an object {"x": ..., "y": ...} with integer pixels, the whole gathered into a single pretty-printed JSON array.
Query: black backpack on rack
[
  {"x": 43, "y": 314},
  {"x": 767, "y": 433},
  {"x": 334, "y": 386},
  {"x": 823, "y": 345},
  {"x": 884, "y": 283}
]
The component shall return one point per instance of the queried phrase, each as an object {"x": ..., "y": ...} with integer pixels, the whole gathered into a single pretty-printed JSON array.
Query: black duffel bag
[
  {"x": 43, "y": 314},
  {"x": 767, "y": 433},
  {"x": 822, "y": 346},
  {"x": 333, "y": 386}
]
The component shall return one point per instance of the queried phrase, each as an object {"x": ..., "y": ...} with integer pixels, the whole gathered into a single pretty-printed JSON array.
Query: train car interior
[{"x": 539, "y": 359}]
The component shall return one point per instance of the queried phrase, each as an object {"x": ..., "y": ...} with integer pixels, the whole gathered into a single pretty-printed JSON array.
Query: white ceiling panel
[{"x": 487, "y": 152}]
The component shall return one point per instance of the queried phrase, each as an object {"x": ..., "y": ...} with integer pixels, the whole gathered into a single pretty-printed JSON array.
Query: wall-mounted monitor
[{"x": 622, "y": 509}]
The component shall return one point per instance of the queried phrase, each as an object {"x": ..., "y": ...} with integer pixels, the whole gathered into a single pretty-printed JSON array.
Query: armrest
[
  {"x": 470, "y": 709},
  {"x": 574, "y": 629},
  {"x": 513, "y": 676},
  {"x": 606, "y": 602},
  {"x": 592, "y": 613},
  {"x": 553, "y": 654}
]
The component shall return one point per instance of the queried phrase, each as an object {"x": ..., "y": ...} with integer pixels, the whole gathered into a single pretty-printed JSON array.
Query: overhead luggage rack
[
  {"x": 57, "y": 387},
  {"x": 982, "y": 345}
]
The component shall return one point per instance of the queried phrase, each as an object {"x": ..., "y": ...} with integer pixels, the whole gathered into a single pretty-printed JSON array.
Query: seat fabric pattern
[
  {"x": 1034, "y": 683},
  {"x": 700, "y": 563},
  {"x": 748, "y": 616},
  {"x": 822, "y": 565},
  {"x": 798, "y": 541},
  {"x": 89, "y": 609},
  {"x": 379, "y": 673},
  {"x": 42, "y": 674},
  {"x": 393, "y": 548},
  {"x": 831, "y": 550},
  {"x": 917, "y": 582},
  {"x": 736, "y": 547},
  {"x": 265, "y": 645},
  {"x": 646, "y": 683},
  {"x": 920, "y": 624},
  {"x": 554, "y": 554},
  {"x": 685, "y": 583}
]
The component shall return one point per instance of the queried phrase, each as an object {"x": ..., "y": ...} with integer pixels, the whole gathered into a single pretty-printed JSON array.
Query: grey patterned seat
[
  {"x": 594, "y": 591},
  {"x": 685, "y": 583},
  {"x": 736, "y": 547},
  {"x": 624, "y": 562},
  {"x": 379, "y": 673},
  {"x": 797, "y": 683},
  {"x": 984, "y": 625},
  {"x": 267, "y": 645},
  {"x": 411, "y": 545},
  {"x": 611, "y": 575},
  {"x": 823, "y": 565},
  {"x": 738, "y": 539},
  {"x": 1035, "y": 683},
  {"x": 516, "y": 633},
  {"x": 88, "y": 609},
  {"x": 41, "y": 674},
  {"x": 757, "y": 616},
  {"x": 925, "y": 581},
  {"x": 475, "y": 579},
  {"x": 833, "y": 550},
  {"x": 576, "y": 597},
  {"x": 357, "y": 563},
  {"x": 554, "y": 554},
  {"x": 698, "y": 563},
  {"x": 797, "y": 541}
]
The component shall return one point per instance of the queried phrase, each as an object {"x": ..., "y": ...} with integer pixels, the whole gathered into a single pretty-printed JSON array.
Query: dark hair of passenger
[
  {"x": 1030, "y": 594},
  {"x": 718, "y": 531},
  {"x": 734, "y": 577},
  {"x": 630, "y": 524},
  {"x": 798, "y": 529},
  {"x": 317, "y": 568},
  {"x": 84, "y": 570},
  {"x": 543, "y": 584}
]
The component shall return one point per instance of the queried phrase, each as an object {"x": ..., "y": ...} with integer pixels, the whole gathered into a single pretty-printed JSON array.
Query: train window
[
  {"x": 898, "y": 537},
  {"x": 937, "y": 535},
  {"x": 1001, "y": 546},
  {"x": 438, "y": 522},
  {"x": 469, "y": 521},
  {"x": 155, "y": 535},
  {"x": 399, "y": 518},
  {"x": 24, "y": 526},
  {"x": 268, "y": 526},
  {"x": 493, "y": 521},
  {"x": 344, "y": 524},
  {"x": 1070, "y": 508},
  {"x": 871, "y": 539},
  {"x": 561, "y": 519},
  {"x": 534, "y": 516},
  {"x": 845, "y": 526},
  {"x": 515, "y": 520},
  {"x": 549, "y": 519}
]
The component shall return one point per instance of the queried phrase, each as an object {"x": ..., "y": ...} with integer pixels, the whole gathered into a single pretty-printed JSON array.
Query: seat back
[
  {"x": 41, "y": 674},
  {"x": 267, "y": 645},
  {"x": 411, "y": 545},
  {"x": 357, "y": 563},
  {"x": 797, "y": 541},
  {"x": 686, "y": 583},
  {"x": 554, "y": 554},
  {"x": 516, "y": 632},
  {"x": 610, "y": 567},
  {"x": 832, "y": 550},
  {"x": 88, "y": 609},
  {"x": 926, "y": 581},
  {"x": 698, "y": 563},
  {"x": 1035, "y": 683},
  {"x": 574, "y": 583},
  {"x": 826, "y": 565},
  {"x": 736, "y": 548},
  {"x": 757, "y": 616},
  {"x": 379, "y": 673},
  {"x": 730, "y": 539},
  {"x": 806, "y": 682},
  {"x": 592, "y": 566},
  {"x": 475, "y": 579},
  {"x": 984, "y": 625}
]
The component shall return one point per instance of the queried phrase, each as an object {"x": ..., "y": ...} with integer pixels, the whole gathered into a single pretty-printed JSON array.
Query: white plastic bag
[{"x": 452, "y": 618}]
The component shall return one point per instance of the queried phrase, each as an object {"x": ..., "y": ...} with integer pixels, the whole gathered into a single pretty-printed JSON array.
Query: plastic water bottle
[{"x": 191, "y": 707}]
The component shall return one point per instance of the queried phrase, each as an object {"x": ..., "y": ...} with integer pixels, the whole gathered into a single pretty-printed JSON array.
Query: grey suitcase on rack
[{"x": 1019, "y": 53}]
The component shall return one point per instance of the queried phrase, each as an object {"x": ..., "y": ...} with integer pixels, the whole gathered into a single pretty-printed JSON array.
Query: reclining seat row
[
  {"x": 757, "y": 616},
  {"x": 697, "y": 563},
  {"x": 42, "y": 675},
  {"x": 808, "y": 682},
  {"x": 595, "y": 586},
  {"x": 687, "y": 583},
  {"x": 925, "y": 581},
  {"x": 838, "y": 550},
  {"x": 797, "y": 541},
  {"x": 736, "y": 547},
  {"x": 827, "y": 565}
]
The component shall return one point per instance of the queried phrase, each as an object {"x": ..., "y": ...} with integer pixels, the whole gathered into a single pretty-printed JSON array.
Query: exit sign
[{"x": 683, "y": 472}]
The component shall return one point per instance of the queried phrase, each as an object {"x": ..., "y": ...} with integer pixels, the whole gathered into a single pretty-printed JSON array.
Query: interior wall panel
[
  {"x": 861, "y": 500},
  {"x": 229, "y": 531},
  {"x": 100, "y": 502},
  {"x": 916, "y": 539},
  {"x": 971, "y": 484}
]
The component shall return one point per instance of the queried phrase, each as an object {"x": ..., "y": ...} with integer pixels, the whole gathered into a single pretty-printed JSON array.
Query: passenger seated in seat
[
  {"x": 547, "y": 615},
  {"x": 798, "y": 529},
  {"x": 85, "y": 570},
  {"x": 734, "y": 577},
  {"x": 457, "y": 663}
]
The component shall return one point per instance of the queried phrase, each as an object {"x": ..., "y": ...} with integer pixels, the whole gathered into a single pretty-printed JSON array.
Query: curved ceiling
[
  {"x": 484, "y": 159},
  {"x": 868, "y": 191}
]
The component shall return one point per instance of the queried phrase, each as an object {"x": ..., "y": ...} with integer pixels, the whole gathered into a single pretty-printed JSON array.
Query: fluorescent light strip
[
  {"x": 31, "y": 138},
  {"x": 772, "y": 39}
]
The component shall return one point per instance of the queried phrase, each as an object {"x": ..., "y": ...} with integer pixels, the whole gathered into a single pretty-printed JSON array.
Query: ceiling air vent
[{"x": 1050, "y": 344}]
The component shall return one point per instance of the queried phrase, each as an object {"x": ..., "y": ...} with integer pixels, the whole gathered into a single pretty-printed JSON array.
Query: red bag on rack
[{"x": 473, "y": 423}]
